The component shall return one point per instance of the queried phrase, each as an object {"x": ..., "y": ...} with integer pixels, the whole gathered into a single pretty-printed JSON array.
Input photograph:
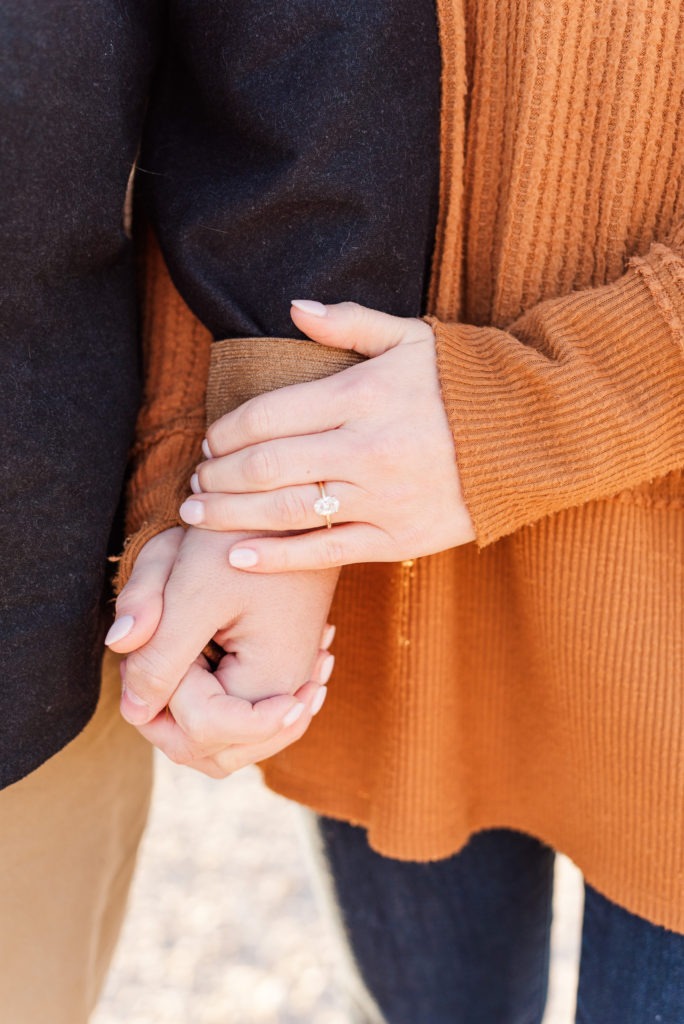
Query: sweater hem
[{"x": 356, "y": 810}]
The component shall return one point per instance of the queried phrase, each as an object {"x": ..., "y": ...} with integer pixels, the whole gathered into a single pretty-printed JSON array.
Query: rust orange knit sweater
[{"x": 535, "y": 679}]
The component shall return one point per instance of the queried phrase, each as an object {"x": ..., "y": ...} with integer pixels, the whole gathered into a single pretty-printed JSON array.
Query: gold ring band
[{"x": 327, "y": 505}]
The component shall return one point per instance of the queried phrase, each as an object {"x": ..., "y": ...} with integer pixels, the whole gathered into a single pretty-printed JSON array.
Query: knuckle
[
  {"x": 361, "y": 317},
  {"x": 290, "y": 509},
  {"x": 351, "y": 308},
  {"x": 358, "y": 393},
  {"x": 333, "y": 552},
  {"x": 261, "y": 727},
  {"x": 227, "y": 762},
  {"x": 198, "y": 731},
  {"x": 259, "y": 466},
  {"x": 132, "y": 594},
  {"x": 164, "y": 543},
  {"x": 254, "y": 419},
  {"x": 146, "y": 671}
]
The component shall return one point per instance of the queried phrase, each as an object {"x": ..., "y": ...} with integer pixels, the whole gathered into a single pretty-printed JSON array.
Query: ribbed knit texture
[
  {"x": 536, "y": 680},
  {"x": 171, "y": 422},
  {"x": 242, "y": 368}
]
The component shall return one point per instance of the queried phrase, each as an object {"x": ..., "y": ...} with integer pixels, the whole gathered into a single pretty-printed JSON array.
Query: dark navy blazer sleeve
[
  {"x": 74, "y": 78},
  {"x": 292, "y": 150}
]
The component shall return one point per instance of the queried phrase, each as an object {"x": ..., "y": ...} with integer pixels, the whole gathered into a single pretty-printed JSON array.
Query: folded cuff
[{"x": 242, "y": 368}]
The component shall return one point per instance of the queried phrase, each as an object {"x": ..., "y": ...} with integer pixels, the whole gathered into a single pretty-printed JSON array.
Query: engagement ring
[{"x": 326, "y": 505}]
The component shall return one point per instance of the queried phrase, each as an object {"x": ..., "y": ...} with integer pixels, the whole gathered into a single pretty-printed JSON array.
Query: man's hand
[{"x": 267, "y": 686}]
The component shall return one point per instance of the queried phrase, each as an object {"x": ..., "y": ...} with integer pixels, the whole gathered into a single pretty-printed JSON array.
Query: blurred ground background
[{"x": 225, "y": 927}]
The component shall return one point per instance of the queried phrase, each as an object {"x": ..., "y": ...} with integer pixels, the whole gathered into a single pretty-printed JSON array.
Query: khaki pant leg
[{"x": 69, "y": 833}]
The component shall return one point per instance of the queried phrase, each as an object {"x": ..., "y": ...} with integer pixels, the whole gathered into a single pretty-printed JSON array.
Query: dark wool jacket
[{"x": 286, "y": 149}]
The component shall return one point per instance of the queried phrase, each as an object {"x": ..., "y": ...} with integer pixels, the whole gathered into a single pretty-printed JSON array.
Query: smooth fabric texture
[
  {"x": 466, "y": 940},
  {"x": 70, "y": 833},
  {"x": 536, "y": 682}
]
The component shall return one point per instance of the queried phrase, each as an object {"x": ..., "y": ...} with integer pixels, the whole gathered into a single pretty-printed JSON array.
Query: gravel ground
[{"x": 224, "y": 925}]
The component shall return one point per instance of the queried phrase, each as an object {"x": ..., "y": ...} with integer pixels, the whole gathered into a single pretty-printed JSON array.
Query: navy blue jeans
[{"x": 466, "y": 940}]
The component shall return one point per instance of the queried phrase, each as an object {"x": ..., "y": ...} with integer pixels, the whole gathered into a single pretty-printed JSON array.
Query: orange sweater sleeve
[{"x": 581, "y": 398}]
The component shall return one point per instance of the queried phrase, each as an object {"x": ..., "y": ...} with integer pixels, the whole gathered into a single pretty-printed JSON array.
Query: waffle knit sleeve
[{"x": 581, "y": 398}]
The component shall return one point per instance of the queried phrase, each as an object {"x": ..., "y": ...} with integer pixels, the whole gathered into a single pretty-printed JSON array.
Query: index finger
[{"x": 307, "y": 408}]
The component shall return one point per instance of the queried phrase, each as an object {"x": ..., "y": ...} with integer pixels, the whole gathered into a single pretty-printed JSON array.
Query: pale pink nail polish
[
  {"x": 293, "y": 714},
  {"x": 119, "y": 629},
  {"x": 243, "y": 558},
  {"x": 328, "y": 637},
  {"x": 195, "y": 486},
  {"x": 192, "y": 512},
  {"x": 310, "y": 306},
  {"x": 319, "y": 700},
  {"x": 133, "y": 709},
  {"x": 135, "y": 699},
  {"x": 326, "y": 669},
  {"x": 206, "y": 450}
]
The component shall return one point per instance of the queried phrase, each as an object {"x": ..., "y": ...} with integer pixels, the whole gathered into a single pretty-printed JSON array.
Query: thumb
[
  {"x": 348, "y": 325},
  {"x": 139, "y": 605}
]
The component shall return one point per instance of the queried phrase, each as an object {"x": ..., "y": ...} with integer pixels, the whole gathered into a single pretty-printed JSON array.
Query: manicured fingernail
[
  {"x": 133, "y": 709},
  {"x": 206, "y": 450},
  {"x": 195, "y": 484},
  {"x": 192, "y": 512},
  {"x": 135, "y": 699},
  {"x": 310, "y": 306},
  {"x": 243, "y": 558},
  {"x": 328, "y": 637},
  {"x": 119, "y": 629},
  {"x": 326, "y": 669},
  {"x": 319, "y": 700},
  {"x": 293, "y": 714}
]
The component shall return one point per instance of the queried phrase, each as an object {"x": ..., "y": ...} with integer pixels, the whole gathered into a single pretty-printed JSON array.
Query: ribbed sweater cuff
[
  {"x": 134, "y": 545},
  {"x": 242, "y": 368},
  {"x": 166, "y": 453},
  {"x": 171, "y": 422},
  {"x": 583, "y": 397},
  {"x": 161, "y": 479}
]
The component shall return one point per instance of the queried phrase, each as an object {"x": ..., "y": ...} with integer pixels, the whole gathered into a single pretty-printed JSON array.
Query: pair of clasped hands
[{"x": 377, "y": 434}]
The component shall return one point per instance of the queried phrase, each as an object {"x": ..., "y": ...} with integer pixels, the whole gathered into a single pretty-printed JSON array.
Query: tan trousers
[{"x": 69, "y": 833}]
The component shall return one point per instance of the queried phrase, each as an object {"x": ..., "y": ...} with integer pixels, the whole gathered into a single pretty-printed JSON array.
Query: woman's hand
[
  {"x": 377, "y": 435},
  {"x": 180, "y": 594}
]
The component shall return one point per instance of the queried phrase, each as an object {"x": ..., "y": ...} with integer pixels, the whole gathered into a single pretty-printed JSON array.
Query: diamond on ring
[{"x": 327, "y": 505}]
